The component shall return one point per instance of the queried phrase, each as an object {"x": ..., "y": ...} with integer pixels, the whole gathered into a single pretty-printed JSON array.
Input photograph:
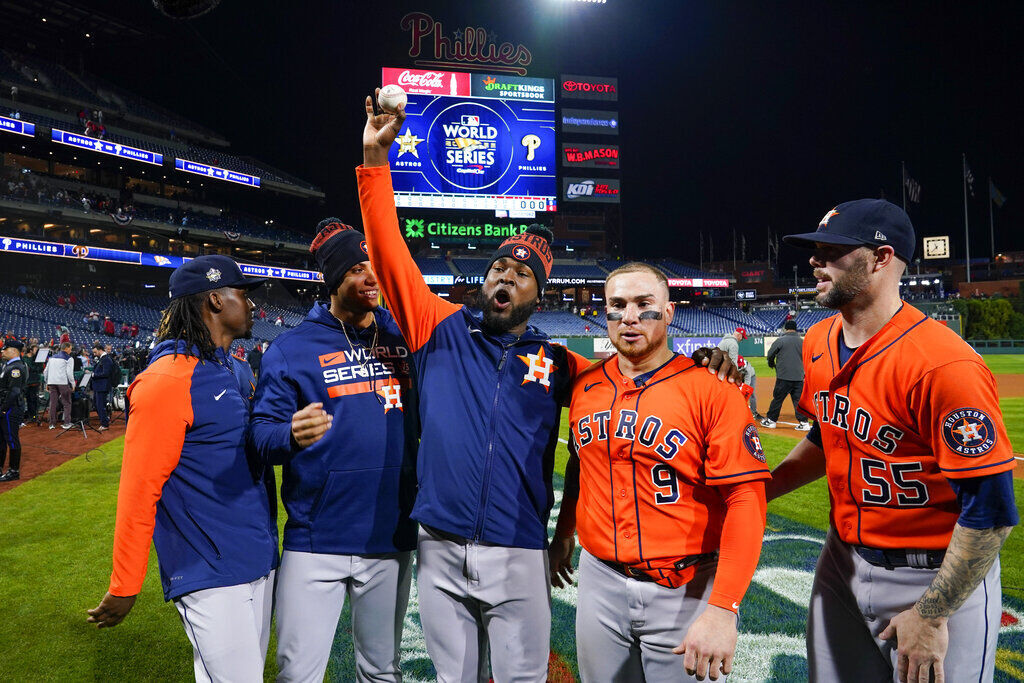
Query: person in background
[
  {"x": 101, "y": 383},
  {"x": 13, "y": 375},
  {"x": 731, "y": 345},
  {"x": 785, "y": 356},
  {"x": 256, "y": 358},
  {"x": 59, "y": 375},
  {"x": 35, "y": 372}
]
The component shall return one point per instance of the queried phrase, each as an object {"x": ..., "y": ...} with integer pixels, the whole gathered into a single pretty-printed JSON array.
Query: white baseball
[{"x": 391, "y": 97}]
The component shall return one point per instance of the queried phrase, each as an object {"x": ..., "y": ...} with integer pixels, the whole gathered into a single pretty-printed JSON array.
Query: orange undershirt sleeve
[
  {"x": 417, "y": 310},
  {"x": 740, "y": 547},
  {"x": 160, "y": 413}
]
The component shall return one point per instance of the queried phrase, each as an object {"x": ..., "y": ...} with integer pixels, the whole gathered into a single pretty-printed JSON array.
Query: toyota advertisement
[
  {"x": 474, "y": 141},
  {"x": 590, "y": 88}
]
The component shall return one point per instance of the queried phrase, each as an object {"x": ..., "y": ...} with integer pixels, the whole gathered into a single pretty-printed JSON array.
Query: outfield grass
[
  {"x": 1013, "y": 418},
  {"x": 55, "y": 563},
  {"x": 999, "y": 364}
]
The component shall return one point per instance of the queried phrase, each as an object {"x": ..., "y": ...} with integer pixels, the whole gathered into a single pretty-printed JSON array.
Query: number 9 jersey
[
  {"x": 913, "y": 407},
  {"x": 653, "y": 455}
]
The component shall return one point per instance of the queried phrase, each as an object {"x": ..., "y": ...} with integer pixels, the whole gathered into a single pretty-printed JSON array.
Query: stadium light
[{"x": 913, "y": 283}]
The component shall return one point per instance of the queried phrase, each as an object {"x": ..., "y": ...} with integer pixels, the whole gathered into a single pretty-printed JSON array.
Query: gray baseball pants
[
  {"x": 229, "y": 628},
  {"x": 626, "y": 629},
  {"x": 311, "y": 591},
  {"x": 476, "y": 598},
  {"x": 852, "y": 601}
]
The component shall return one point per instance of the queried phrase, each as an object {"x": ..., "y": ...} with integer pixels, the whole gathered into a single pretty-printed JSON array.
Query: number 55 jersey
[{"x": 912, "y": 408}]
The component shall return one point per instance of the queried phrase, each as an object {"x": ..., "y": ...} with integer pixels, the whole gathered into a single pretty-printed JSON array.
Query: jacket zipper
[{"x": 488, "y": 459}]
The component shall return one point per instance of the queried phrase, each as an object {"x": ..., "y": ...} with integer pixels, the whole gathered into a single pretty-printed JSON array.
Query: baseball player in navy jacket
[
  {"x": 349, "y": 495},
  {"x": 190, "y": 486}
]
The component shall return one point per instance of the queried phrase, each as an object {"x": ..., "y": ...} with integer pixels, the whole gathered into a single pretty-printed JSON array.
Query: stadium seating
[
  {"x": 433, "y": 266},
  {"x": 578, "y": 270},
  {"x": 470, "y": 266},
  {"x": 565, "y": 324}
]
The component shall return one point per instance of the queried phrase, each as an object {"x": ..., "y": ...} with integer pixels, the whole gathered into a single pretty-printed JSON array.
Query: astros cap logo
[
  {"x": 522, "y": 253},
  {"x": 968, "y": 432},
  {"x": 362, "y": 245},
  {"x": 824, "y": 221}
]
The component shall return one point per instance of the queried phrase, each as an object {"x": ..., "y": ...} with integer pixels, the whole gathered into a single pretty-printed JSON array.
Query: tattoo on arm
[{"x": 970, "y": 555}]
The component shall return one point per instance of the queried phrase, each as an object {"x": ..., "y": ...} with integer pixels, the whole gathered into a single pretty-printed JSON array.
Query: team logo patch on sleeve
[
  {"x": 968, "y": 432},
  {"x": 753, "y": 443}
]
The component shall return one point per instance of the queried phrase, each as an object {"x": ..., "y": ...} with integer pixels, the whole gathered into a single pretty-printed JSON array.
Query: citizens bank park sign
[{"x": 441, "y": 231}]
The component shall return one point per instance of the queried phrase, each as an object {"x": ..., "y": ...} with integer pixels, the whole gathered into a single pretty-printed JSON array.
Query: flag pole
[
  {"x": 903, "y": 183},
  {"x": 967, "y": 232},
  {"x": 991, "y": 221}
]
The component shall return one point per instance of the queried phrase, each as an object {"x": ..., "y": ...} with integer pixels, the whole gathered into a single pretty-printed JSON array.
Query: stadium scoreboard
[{"x": 474, "y": 141}]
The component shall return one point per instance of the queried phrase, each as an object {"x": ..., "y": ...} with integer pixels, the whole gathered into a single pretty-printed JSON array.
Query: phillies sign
[
  {"x": 467, "y": 47},
  {"x": 420, "y": 82},
  {"x": 590, "y": 88}
]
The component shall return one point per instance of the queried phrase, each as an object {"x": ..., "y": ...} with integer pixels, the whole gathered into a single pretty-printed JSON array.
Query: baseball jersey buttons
[
  {"x": 622, "y": 493},
  {"x": 625, "y": 534}
]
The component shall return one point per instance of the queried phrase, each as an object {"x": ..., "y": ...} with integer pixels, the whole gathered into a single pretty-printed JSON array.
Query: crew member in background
[
  {"x": 59, "y": 375},
  {"x": 35, "y": 373},
  {"x": 255, "y": 358},
  {"x": 785, "y": 356},
  {"x": 348, "y": 495},
  {"x": 188, "y": 485},
  {"x": 731, "y": 345},
  {"x": 101, "y": 383},
  {"x": 13, "y": 377}
]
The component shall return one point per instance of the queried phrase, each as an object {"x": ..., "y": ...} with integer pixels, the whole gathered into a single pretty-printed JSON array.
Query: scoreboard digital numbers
[{"x": 474, "y": 141}]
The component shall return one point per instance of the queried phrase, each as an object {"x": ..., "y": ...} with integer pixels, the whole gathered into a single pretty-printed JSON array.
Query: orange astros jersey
[
  {"x": 912, "y": 407},
  {"x": 651, "y": 458}
]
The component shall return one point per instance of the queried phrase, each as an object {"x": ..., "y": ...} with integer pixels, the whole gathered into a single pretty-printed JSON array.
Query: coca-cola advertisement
[{"x": 422, "y": 82}]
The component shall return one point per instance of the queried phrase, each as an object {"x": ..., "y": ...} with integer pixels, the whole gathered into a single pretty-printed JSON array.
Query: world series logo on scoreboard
[{"x": 493, "y": 150}]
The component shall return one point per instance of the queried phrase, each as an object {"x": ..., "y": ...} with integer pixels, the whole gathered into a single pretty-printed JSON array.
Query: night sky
[{"x": 746, "y": 116}]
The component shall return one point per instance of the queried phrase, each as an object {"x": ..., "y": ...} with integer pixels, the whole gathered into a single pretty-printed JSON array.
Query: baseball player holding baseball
[
  {"x": 910, "y": 437},
  {"x": 670, "y": 477},
  {"x": 349, "y": 494},
  {"x": 491, "y": 392},
  {"x": 188, "y": 484}
]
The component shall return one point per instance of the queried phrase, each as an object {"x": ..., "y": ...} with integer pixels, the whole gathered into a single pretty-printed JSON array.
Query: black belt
[
  {"x": 640, "y": 575},
  {"x": 890, "y": 559}
]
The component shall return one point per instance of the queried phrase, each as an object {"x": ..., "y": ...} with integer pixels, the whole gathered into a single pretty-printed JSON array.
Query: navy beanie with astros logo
[
  {"x": 532, "y": 247},
  {"x": 336, "y": 248}
]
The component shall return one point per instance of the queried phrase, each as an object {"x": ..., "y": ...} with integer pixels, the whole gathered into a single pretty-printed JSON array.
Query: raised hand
[{"x": 379, "y": 132}]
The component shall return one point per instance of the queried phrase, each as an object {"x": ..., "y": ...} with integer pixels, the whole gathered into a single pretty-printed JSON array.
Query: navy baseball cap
[
  {"x": 863, "y": 222},
  {"x": 14, "y": 344},
  {"x": 209, "y": 272}
]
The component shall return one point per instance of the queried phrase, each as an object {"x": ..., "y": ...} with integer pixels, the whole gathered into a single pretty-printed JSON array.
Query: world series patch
[
  {"x": 968, "y": 432},
  {"x": 753, "y": 443}
]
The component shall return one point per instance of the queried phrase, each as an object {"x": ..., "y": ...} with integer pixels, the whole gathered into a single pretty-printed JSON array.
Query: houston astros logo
[
  {"x": 538, "y": 368},
  {"x": 753, "y": 443},
  {"x": 522, "y": 253},
  {"x": 824, "y": 221},
  {"x": 392, "y": 395},
  {"x": 968, "y": 432},
  {"x": 362, "y": 245}
]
